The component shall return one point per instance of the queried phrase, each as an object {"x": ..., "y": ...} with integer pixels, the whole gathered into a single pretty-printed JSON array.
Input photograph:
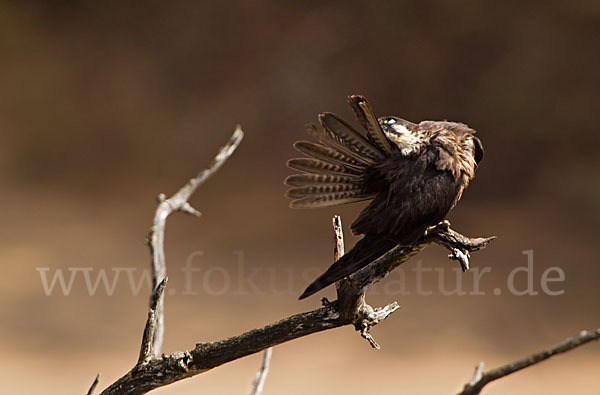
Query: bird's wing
[
  {"x": 411, "y": 195},
  {"x": 334, "y": 171}
]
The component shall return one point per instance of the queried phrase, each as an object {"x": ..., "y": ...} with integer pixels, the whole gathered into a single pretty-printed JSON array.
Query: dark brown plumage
[{"x": 412, "y": 173}]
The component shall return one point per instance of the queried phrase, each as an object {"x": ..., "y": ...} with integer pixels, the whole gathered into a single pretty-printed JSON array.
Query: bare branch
[
  {"x": 205, "y": 356},
  {"x": 371, "y": 317},
  {"x": 150, "y": 329},
  {"x": 480, "y": 379},
  {"x": 364, "y": 316},
  {"x": 338, "y": 249},
  {"x": 477, "y": 373},
  {"x": 94, "y": 384},
  {"x": 261, "y": 375},
  {"x": 338, "y": 245},
  {"x": 156, "y": 238}
]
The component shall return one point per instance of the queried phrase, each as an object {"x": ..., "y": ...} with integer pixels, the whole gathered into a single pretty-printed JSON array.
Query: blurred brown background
[{"x": 104, "y": 105}]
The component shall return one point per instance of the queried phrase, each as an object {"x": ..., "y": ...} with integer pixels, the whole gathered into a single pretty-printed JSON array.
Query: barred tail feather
[
  {"x": 334, "y": 180},
  {"x": 327, "y": 154},
  {"x": 316, "y": 166},
  {"x": 327, "y": 200}
]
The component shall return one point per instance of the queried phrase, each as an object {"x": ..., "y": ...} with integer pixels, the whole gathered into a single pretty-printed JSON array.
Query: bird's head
[
  {"x": 463, "y": 137},
  {"x": 410, "y": 137},
  {"x": 457, "y": 145},
  {"x": 458, "y": 148}
]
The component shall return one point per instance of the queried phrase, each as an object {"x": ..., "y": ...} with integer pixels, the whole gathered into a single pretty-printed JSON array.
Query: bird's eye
[{"x": 478, "y": 150}]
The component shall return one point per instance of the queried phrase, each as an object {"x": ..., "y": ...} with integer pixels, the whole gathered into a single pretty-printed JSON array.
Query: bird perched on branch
[{"x": 412, "y": 173}]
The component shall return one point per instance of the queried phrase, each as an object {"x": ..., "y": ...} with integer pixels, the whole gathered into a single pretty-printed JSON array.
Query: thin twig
[
  {"x": 261, "y": 375},
  {"x": 477, "y": 373},
  {"x": 477, "y": 383},
  {"x": 149, "y": 329},
  {"x": 338, "y": 249},
  {"x": 369, "y": 317},
  {"x": 156, "y": 238},
  {"x": 338, "y": 245},
  {"x": 94, "y": 384}
]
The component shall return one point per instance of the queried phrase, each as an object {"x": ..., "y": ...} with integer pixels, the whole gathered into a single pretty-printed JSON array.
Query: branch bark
[
  {"x": 159, "y": 372},
  {"x": 480, "y": 378},
  {"x": 350, "y": 308}
]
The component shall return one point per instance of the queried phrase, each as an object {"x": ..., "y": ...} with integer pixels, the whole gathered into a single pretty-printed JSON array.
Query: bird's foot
[{"x": 444, "y": 225}]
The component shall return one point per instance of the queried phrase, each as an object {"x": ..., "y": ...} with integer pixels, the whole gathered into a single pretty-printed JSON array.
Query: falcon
[{"x": 413, "y": 174}]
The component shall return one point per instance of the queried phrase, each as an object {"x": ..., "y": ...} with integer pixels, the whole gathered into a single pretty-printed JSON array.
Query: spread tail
[{"x": 364, "y": 252}]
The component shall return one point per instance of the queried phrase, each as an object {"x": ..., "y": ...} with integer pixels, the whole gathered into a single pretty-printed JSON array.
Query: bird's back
[{"x": 411, "y": 193}]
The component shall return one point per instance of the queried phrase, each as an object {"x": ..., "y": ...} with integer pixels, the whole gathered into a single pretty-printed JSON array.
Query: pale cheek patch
[
  {"x": 401, "y": 130},
  {"x": 407, "y": 141}
]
